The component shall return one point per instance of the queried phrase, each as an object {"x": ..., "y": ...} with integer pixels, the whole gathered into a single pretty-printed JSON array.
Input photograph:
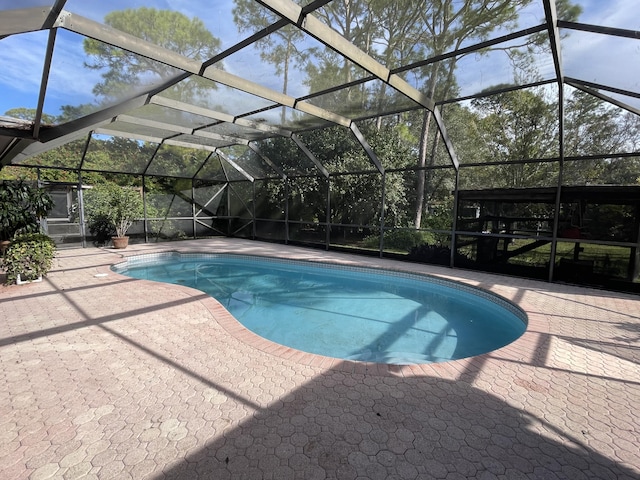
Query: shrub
[
  {"x": 30, "y": 256},
  {"x": 22, "y": 206},
  {"x": 111, "y": 208},
  {"x": 433, "y": 254},
  {"x": 402, "y": 240}
]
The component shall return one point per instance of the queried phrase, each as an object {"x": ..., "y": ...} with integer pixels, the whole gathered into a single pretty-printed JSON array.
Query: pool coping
[{"x": 526, "y": 347}]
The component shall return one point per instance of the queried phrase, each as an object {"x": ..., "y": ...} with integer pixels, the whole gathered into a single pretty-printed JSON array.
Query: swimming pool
[{"x": 351, "y": 313}]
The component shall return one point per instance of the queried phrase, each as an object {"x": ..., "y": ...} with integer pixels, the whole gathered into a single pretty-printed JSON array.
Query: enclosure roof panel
[{"x": 207, "y": 75}]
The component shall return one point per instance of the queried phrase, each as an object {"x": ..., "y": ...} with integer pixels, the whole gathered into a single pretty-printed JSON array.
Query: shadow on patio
[{"x": 352, "y": 426}]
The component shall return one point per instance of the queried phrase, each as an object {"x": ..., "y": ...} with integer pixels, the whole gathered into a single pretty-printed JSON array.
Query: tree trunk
[
  {"x": 285, "y": 85},
  {"x": 422, "y": 161},
  {"x": 422, "y": 154}
]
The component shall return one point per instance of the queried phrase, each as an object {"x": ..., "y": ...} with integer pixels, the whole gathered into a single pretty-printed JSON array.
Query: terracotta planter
[{"x": 120, "y": 242}]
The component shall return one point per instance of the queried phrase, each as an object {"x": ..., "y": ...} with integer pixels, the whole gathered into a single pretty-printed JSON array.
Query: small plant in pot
[
  {"x": 28, "y": 258},
  {"x": 112, "y": 209}
]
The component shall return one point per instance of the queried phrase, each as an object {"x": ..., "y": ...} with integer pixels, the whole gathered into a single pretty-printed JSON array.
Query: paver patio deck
[{"x": 103, "y": 376}]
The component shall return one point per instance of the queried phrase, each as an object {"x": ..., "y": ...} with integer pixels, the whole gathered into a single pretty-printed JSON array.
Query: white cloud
[
  {"x": 612, "y": 13},
  {"x": 69, "y": 79},
  {"x": 603, "y": 59},
  {"x": 22, "y": 58}
]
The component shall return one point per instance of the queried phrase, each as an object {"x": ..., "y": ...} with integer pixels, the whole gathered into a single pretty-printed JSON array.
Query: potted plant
[
  {"x": 111, "y": 209},
  {"x": 28, "y": 258},
  {"x": 22, "y": 207}
]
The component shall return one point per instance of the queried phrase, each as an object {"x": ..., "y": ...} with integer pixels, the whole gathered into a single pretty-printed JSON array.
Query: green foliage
[
  {"x": 11, "y": 172},
  {"x": 433, "y": 254},
  {"x": 30, "y": 256},
  {"x": 68, "y": 156},
  {"x": 355, "y": 183},
  {"x": 174, "y": 161},
  {"x": 511, "y": 127},
  {"x": 595, "y": 127},
  {"x": 110, "y": 205},
  {"x": 518, "y": 125},
  {"x": 22, "y": 206},
  {"x": 124, "y": 71},
  {"x": 280, "y": 48},
  {"x": 590, "y": 125},
  {"x": 30, "y": 114},
  {"x": 401, "y": 239}
]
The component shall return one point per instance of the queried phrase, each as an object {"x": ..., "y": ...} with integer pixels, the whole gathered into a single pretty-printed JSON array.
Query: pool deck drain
[{"x": 103, "y": 376}]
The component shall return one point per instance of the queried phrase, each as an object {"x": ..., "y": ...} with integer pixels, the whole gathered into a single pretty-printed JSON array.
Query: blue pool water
[{"x": 344, "y": 312}]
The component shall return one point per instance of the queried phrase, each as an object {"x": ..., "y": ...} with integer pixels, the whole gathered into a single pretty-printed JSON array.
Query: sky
[{"x": 592, "y": 57}]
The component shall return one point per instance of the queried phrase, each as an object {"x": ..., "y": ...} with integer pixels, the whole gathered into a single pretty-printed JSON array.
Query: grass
[{"x": 607, "y": 260}]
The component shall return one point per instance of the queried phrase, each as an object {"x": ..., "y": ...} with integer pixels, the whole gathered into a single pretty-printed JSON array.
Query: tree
[
  {"x": 30, "y": 115},
  {"x": 71, "y": 112},
  {"x": 593, "y": 127},
  {"x": 118, "y": 154},
  {"x": 516, "y": 126},
  {"x": 356, "y": 185},
  {"x": 452, "y": 24},
  {"x": 22, "y": 206},
  {"x": 11, "y": 172},
  {"x": 383, "y": 30},
  {"x": 67, "y": 156},
  {"x": 404, "y": 32},
  {"x": 279, "y": 48},
  {"x": 354, "y": 21},
  {"x": 110, "y": 205},
  {"x": 126, "y": 71}
]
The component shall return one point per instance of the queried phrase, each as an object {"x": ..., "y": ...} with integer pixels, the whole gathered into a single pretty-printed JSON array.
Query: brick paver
[{"x": 102, "y": 376}]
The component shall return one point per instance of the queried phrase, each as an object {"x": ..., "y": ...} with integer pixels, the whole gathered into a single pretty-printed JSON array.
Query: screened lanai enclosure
[{"x": 498, "y": 135}]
